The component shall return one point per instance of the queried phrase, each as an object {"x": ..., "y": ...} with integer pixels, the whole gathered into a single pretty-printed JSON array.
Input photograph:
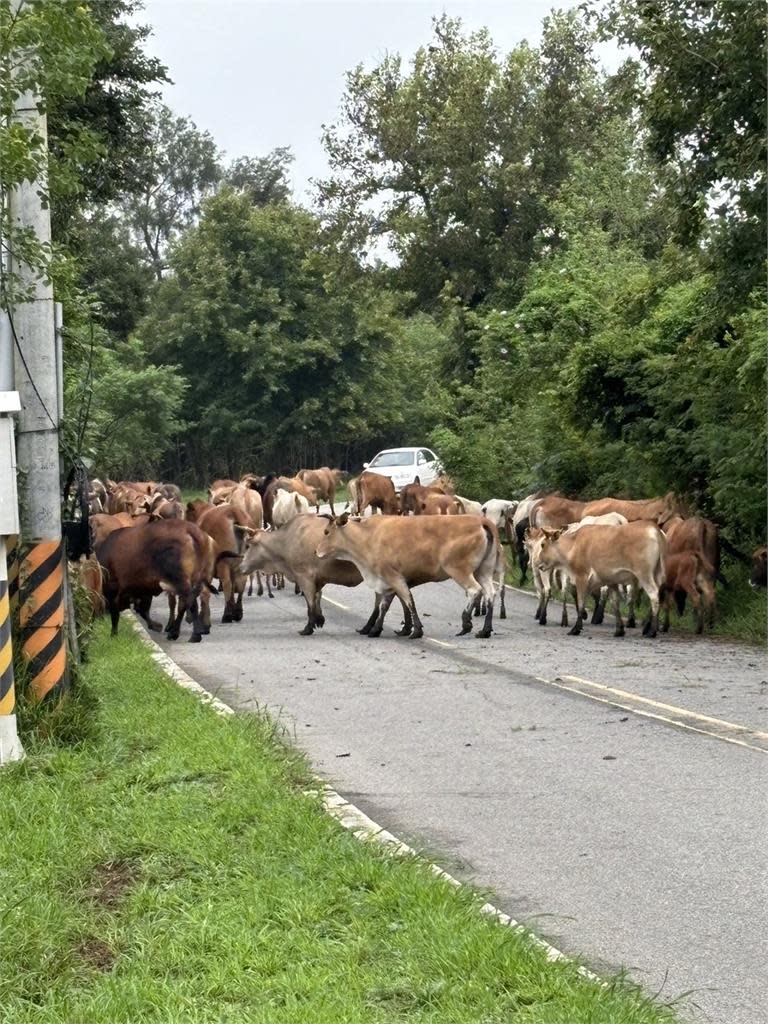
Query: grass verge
[{"x": 174, "y": 870}]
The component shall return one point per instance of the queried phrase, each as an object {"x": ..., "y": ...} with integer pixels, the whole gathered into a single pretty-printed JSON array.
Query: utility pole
[{"x": 41, "y": 612}]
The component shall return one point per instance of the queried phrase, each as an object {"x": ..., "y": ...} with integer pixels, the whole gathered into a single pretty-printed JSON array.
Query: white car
[{"x": 403, "y": 465}]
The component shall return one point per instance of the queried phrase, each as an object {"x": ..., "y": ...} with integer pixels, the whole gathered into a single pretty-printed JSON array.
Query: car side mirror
[{"x": 366, "y": 465}]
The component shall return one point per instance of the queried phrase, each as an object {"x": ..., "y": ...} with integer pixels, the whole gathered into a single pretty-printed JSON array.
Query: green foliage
[{"x": 264, "y": 179}]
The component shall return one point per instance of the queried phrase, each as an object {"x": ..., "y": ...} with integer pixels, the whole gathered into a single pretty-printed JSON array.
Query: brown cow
[
  {"x": 555, "y": 512},
  {"x": 102, "y": 524},
  {"x": 698, "y": 536},
  {"x": 689, "y": 574},
  {"x": 412, "y": 495},
  {"x": 324, "y": 482},
  {"x": 228, "y": 528},
  {"x": 609, "y": 556},
  {"x": 650, "y": 508},
  {"x": 375, "y": 490},
  {"x": 395, "y": 554},
  {"x": 220, "y": 490},
  {"x": 759, "y": 575},
  {"x": 168, "y": 555}
]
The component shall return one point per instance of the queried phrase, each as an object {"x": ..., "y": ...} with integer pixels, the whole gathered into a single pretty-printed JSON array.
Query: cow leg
[
  {"x": 581, "y": 594},
  {"x": 472, "y": 589},
  {"x": 225, "y": 578},
  {"x": 368, "y": 625},
  {"x": 171, "y": 610},
  {"x": 259, "y": 585},
  {"x": 383, "y": 603},
  {"x": 239, "y": 590},
  {"x": 319, "y": 617},
  {"x": 546, "y": 590},
  {"x": 666, "y": 601},
  {"x": 308, "y": 590},
  {"x": 564, "y": 614},
  {"x": 184, "y": 598},
  {"x": 250, "y": 585},
  {"x": 631, "y": 602},
  {"x": 296, "y": 588},
  {"x": 487, "y": 629},
  {"x": 407, "y": 626},
  {"x": 599, "y": 613},
  {"x": 143, "y": 606},
  {"x": 205, "y": 610},
  {"x": 114, "y": 614},
  {"x": 503, "y": 606},
  {"x": 651, "y": 624},
  {"x": 619, "y": 630}
]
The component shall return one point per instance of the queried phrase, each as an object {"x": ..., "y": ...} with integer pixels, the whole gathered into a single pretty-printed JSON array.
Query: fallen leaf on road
[{"x": 343, "y": 755}]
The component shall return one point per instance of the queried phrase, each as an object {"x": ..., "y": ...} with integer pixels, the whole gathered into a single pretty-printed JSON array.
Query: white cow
[{"x": 287, "y": 505}]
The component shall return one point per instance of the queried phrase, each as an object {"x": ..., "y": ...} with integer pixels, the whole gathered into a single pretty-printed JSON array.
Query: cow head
[
  {"x": 547, "y": 554},
  {"x": 329, "y": 541}
]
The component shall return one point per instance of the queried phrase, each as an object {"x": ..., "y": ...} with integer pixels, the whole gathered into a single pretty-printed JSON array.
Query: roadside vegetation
[{"x": 171, "y": 867}]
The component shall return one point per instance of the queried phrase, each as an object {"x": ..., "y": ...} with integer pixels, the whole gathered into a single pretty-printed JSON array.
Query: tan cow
[
  {"x": 376, "y": 491},
  {"x": 395, "y": 554},
  {"x": 609, "y": 556}
]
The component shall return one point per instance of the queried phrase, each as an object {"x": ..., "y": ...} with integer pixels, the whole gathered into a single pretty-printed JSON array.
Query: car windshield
[{"x": 393, "y": 459}]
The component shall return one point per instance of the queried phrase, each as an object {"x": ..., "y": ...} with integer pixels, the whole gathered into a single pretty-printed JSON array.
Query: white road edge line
[
  {"x": 347, "y": 814},
  {"x": 336, "y": 604}
]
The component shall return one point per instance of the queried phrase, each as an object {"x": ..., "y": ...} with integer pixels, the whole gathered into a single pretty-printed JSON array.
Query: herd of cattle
[{"x": 146, "y": 541}]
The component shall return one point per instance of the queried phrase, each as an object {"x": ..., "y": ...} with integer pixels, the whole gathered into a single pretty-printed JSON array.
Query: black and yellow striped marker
[
  {"x": 41, "y": 618},
  {"x": 7, "y": 690},
  {"x": 12, "y": 558}
]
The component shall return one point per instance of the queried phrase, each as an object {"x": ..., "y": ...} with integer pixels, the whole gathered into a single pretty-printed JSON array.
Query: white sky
[{"x": 258, "y": 74}]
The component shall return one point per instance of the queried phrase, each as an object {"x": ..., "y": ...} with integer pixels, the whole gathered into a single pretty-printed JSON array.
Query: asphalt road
[{"x": 618, "y": 835}]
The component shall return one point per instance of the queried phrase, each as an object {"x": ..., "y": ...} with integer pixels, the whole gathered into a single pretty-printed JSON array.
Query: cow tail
[{"x": 734, "y": 552}]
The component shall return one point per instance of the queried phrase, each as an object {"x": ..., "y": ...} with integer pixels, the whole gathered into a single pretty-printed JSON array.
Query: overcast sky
[{"x": 257, "y": 75}]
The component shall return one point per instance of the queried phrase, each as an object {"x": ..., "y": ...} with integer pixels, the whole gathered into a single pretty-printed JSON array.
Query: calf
[
  {"x": 698, "y": 536},
  {"x": 412, "y": 495},
  {"x": 609, "y": 556},
  {"x": 395, "y": 554},
  {"x": 291, "y": 550},
  {"x": 688, "y": 574},
  {"x": 167, "y": 555},
  {"x": 287, "y": 506}
]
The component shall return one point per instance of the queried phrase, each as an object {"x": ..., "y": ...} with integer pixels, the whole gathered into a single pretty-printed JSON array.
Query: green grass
[{"x": 174, "y": 870}]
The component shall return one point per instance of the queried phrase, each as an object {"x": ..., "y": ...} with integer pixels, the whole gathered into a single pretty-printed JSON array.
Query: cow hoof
[
  {"x": 402, "y": 632},
  {"x": 172, "y": 636},
  {"x": 205, "y": 630},
  {"x": 483, "y": 634},
  {"x": 618, "y": 632},
  {"x": 226, "y": 617},
  {"x": 156, "y": 627},
  {"x": 503, "y": 613},
  {"x": 237, "y": 615},
  {"x": 665, "y": 628},
  {"x": 271, "y": 595},
  {"x": 363, "y": 631},
  {"x": 575, "y": 630},
  {"x": 631, "y": 624},
  {"x": 260, "y": 592},
  {"x": 320, "y": 621},
  {"x": 373, "y": 633},
  {"x": 307, "y": 631},
  {"x": 196, "y": 638},
  {"x": 583, "y": 613},
  {"x": 537, "y": 614},
  {"x": 417, "y": 634},
  {"x": 543, "y": 620}
]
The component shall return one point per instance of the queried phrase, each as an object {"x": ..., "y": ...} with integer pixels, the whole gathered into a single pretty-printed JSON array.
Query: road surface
[{"x": 626, "y": 825}]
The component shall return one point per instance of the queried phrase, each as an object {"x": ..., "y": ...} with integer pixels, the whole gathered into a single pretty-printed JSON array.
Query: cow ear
[
  {"x": 297, "y": 502},
  {"x": 343, "y": 519}
]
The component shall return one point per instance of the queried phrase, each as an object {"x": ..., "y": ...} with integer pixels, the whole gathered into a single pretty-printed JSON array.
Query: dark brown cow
[
  {"x": 759, "y": 575},
  {"x": 698, "y": 536},
  {"x": 376, "y": 491},
  {"x": 168, "y": 555},
  {"x": 412, "y": 495}
]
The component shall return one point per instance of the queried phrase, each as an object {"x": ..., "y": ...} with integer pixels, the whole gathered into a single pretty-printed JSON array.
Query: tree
[
  {"x": 703, "y": 100},
  {"x": 454, "y": 162},
  {"x": 276, "y": 334},
  {"x": 264, "y": 179},
  {"x": 181, "y": 168}
]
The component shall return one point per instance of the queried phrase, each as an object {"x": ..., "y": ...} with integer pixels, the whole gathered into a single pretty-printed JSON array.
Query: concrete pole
[{"x": 32, "y": 324}]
